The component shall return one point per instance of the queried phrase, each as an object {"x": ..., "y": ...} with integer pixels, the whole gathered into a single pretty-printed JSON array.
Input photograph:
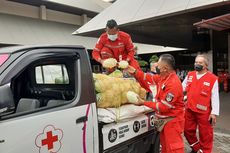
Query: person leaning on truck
[
  {"x": 202, "y": 105},
  {"x": 118, "y": 42},
  {"x": 169, "y": 102}
]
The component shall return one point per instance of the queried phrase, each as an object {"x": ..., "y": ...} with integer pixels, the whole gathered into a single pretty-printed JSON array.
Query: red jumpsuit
[
  {"x": 106, "y": 53},
  {"x": 168, "y": 104},
  {"x": 144, "y": 83},
  {"x": 122, "y": 48},
  {"x": 198, "y": 109}
]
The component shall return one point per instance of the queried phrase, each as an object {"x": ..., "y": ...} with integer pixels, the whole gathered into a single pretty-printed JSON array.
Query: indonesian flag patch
[{"x": 169, "y": 97}]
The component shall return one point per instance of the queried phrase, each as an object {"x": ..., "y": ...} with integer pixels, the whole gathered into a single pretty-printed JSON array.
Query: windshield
[{"x": 3, "y": 58}]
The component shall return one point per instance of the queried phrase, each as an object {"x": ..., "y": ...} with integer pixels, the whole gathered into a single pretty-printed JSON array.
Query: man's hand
[
  {"x": 101, "y": 61},
  {"x": 212, "y": 119},
  {"x": 131, "y": 69}
]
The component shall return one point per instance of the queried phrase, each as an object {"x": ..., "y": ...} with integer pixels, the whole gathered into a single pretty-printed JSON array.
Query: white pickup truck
[{"x": 48, "y": 105}]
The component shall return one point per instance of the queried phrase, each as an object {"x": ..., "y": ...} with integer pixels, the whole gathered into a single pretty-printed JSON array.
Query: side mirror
[{"x": 7, "y": 105}]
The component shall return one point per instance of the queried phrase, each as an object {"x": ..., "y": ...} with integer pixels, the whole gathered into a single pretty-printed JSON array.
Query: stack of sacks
[
  {"x": 112, "y": 92},
  {"x": 125, "y": 112}
]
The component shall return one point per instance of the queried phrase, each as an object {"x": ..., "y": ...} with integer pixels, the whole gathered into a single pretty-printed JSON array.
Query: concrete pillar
[
  {"x": 210, "y": 57},
  {"x": 228, "y": 52},
  {"x": 42, "y": 12},
  {"x": 84, "y": 19}
]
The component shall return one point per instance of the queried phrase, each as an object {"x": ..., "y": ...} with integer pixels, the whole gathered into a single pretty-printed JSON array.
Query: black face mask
[
  {"x": 158, "y": 70},
  {"x": 153, "y": 72},
  {"x": 198, "y": 67}
]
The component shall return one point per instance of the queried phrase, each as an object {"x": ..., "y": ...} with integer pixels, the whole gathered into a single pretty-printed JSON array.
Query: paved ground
[
  {"x": 222, "y": 129},
  {"x": 223, "y": 122},
  {"x": 221, "y": 143}
]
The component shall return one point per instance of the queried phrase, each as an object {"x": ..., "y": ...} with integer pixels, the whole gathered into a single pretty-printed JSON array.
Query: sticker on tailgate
[{"x": 116, "y": 133}]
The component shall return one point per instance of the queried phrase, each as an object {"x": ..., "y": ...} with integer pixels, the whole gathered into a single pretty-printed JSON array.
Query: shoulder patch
[{"x": 169, "y": 97}]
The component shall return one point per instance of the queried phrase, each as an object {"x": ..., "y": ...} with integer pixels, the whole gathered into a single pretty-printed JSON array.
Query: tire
[{"x": 155, "y": 147}]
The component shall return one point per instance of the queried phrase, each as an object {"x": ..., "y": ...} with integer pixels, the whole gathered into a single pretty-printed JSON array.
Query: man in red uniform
[
  {"x": 168, "y": 102},
  {"x": 106, "y": 53},
  {"x": 202, "y": 105},
  {"x": 119, "y": 42}
]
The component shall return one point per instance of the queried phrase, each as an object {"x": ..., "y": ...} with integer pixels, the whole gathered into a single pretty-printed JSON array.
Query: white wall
[
  {"x": 29, "y": 31},
  {"x": 12, "y": 8},
  {"x": 26, "y": 24}
]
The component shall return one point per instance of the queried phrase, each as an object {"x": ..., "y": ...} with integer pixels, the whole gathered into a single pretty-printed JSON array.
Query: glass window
[{"x": 51, "y": 74}]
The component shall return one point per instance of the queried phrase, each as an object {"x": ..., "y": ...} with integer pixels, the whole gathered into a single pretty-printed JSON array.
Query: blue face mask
[{"x": 112, "y": 37}]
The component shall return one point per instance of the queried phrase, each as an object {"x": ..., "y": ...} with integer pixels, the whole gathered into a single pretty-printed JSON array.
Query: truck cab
[{"x": 48, "y": 104}]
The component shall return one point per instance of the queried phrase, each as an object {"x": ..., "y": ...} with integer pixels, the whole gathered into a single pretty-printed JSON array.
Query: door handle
[
  {"x": 2, "y": 141},
  {"x": 81, "y": 119}
]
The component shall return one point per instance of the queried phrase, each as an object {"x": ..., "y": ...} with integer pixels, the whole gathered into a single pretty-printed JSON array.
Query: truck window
[
  {"x": 51, "y": 74},
  {"x": 43, "y": 84}
]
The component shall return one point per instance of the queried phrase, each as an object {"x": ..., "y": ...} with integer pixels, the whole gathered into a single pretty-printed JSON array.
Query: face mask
[
  {"x": 153, "y": 72},
  {"x": 112, "y": 37},
  {"x": 198, "y": 67},
  {"x": 158, "y": 70}
]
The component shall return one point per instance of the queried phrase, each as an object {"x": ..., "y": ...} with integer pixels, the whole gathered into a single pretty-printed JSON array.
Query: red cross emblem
[{"x": 49, "y": 140}]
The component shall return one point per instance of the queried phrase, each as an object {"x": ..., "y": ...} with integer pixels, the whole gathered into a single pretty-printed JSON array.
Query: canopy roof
[
  {"x": 218, "y": 23},
  {"x": 161, "y": 22}
]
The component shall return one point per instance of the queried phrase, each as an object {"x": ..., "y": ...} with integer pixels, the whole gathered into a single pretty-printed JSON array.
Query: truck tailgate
[{"x": 116, "y": 133}]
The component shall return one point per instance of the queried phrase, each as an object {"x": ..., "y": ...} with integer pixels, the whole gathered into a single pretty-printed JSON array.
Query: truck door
[{"x": 50, "y": 113}]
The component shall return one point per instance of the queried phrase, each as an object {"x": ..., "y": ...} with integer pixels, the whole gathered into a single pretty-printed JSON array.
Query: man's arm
[
  {"x": 184, "y": 83},
  {"x": 96, "y": 51},
  {"x": 215, "y": 99},
  {"x": 165, "y": 104},
  {"x": 144, "y": 84},
  {"x": 143, "y": 78},
  {"x": 215, "y": 102},
  {"x": 140, "y": 75}
]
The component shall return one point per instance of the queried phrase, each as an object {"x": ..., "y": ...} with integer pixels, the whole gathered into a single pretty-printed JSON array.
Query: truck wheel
[{"x": 155, "y": 148}]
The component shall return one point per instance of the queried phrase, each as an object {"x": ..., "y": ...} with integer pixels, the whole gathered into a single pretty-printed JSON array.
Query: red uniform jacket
[
  {"x": 144, "y": 83},
  {"x": 122, "y": 47},
  {"x": 169, "y": 95},
  {"x": 199, "y": 92}
]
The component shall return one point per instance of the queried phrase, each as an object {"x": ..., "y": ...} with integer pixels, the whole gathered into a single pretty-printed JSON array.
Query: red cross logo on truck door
[{"x": 49, "y": 140}]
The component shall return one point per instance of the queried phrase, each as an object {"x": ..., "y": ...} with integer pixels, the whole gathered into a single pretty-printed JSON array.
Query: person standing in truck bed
[{"x": 118, "y": 42}]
